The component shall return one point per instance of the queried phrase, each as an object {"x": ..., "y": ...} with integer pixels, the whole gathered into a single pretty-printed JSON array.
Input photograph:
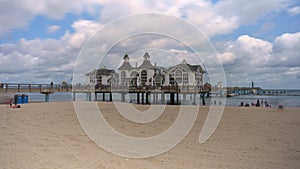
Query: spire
[
  {"x": 146, "y": 56},
  {"x": 126, "y": 58},
  {"x": 184, "y": 61}
]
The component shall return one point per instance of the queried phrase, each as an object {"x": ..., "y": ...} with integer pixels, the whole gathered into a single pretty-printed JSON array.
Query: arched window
[
  {"x": 123, "y": 78},
  {"x": 133, "y": 78},
  {"x": 178, "y": 76},
  {"x": 144, "y": 77},
  {"x": 171, "y": 79},
  {"x": 185, "y": 78},
  {"x": 158, "y": 81}
]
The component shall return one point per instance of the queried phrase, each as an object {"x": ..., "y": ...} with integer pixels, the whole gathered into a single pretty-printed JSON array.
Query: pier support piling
[
  {"x": 103, "y": 96},
  {"x": 47, "y": 97},
  {"x": 96, "y": 96},
  {"x": 162, "y": 98},
  {"x": 194, "y": 99},
  {"x": 138, "y": 98},
  {"x": 203, "y": 98},
  {"x": 110, "y": 97},
  {"x": 184, "y": 99},
  {"x": 123, "y": 97}
]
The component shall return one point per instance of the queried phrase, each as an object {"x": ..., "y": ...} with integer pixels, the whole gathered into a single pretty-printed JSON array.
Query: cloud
[
  {"x": 46, "y": 60},
  {"x": 267, "y": 63},
  {"x": 213, "y": 19},
  {"x": 294, "y": 10},
  {"x": 247, "y": 58},
  {"x": 53, "y": 28}
]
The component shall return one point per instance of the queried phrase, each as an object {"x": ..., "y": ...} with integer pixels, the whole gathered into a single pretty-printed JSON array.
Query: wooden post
[
  {"x": 88, "y": 96},
  {"x": 138, "y": 98},
  {"x": 194, "y": 99},
  {"x": 103, "y": 96},
  {"x": 162, "y": 98},
  {"x": 172, "y": 99},
  {"x": 147, "y": 98},
  {"x": 96, "y": 96},
  {"x": 110, "y": 96},
  {"x": 142, "y": 98},
  {"x": 123, "y": 97},
  {"x": 47, "y": 97},
  {"x": 18, "y": 87},
  {"x": 177, "y": 98},
  {"x": 184, "y": 99},
  {"x": 74, "y": 96}
]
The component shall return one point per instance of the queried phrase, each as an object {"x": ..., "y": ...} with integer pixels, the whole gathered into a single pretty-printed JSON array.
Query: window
[
  {"x": 185, "y": 78},
  {"x": 123, "y": 78},
  {"x": 198, "y": 78},
  {"x": 144, "y": 77},
  {"x": 99, "y": 79},
  {"x": 171, "y": 79},
  {"x": 178, "y": 76},
  {"x": 157, "y": 81},
  {"x": 133, "y": 78}
]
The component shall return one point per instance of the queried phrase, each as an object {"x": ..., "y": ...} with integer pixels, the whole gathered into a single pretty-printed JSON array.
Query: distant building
[
  {"x": 184, "y": 74},
  {"x": 102, "y": 76},
  {"x": 148, "y": 74},
  {"x": 138, "y": 75}
]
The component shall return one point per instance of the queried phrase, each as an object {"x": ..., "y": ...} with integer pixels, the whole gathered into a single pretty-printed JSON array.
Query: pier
[
  {"x": 235, "y": 91},
  {"x": 143, "y": 93}
]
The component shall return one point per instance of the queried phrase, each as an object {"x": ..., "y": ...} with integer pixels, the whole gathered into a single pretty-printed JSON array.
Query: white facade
[
  {"x": 136, "y": 76},
  {"x": 182, "y": 74},
  {"x": 102, "y": 76}
]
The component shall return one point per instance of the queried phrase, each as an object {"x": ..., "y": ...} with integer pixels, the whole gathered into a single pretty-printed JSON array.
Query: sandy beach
[{"x": 49, "y": 136}]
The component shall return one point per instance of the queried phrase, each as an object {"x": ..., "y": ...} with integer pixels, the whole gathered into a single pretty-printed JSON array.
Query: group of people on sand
[
  {"x": 262, "y": 103},
  {"x": 15, "y": 103}
]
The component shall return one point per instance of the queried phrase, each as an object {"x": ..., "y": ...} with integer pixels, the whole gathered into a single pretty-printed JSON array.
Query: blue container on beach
[
  {"x": 24, "y": 98},
  {"x": 18, "y": 99}
]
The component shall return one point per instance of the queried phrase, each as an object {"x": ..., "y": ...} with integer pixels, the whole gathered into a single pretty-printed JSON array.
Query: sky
[{"x": 259, "y": 41}]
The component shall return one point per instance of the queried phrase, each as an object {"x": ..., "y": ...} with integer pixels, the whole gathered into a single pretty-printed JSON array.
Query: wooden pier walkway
[{"x": 143, "y": 93}]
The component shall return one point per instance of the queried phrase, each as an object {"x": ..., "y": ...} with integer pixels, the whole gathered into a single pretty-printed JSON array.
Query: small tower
[
  {"x": 126, "y": 58},
  {"x": 146, "y": 56},
  {"x": 184, "y": 61}
]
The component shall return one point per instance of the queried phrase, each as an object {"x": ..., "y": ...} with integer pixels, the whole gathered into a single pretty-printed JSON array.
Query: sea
[{"x": 287, "y": 101}]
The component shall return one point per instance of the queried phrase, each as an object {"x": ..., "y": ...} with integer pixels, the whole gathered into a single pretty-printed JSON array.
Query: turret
[
  {"x": 146, "y": 56},
  {"x": 126, "y": 58}
]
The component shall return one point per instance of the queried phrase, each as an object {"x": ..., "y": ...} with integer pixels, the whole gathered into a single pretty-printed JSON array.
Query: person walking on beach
[
  {"x": 257, "y": 103},
  {"x": 280, "y": 107}
]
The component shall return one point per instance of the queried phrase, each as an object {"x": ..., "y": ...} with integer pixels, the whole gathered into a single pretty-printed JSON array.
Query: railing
[{"x": 14, "y": 87}]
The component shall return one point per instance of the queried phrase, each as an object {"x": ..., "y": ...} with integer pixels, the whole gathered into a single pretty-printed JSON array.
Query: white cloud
[
  {"x": 45, "y": 60},
  {"x": 294, "y": 10},
  {"x": 217, "y": 18},
  {"x": 245, "y": 58},
  {"x": 269, "y": 64},
  {"x": 53, "y": 28}
]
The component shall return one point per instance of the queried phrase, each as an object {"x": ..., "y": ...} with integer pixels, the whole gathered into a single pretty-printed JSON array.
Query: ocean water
[{"x": 288, "y": 101}]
